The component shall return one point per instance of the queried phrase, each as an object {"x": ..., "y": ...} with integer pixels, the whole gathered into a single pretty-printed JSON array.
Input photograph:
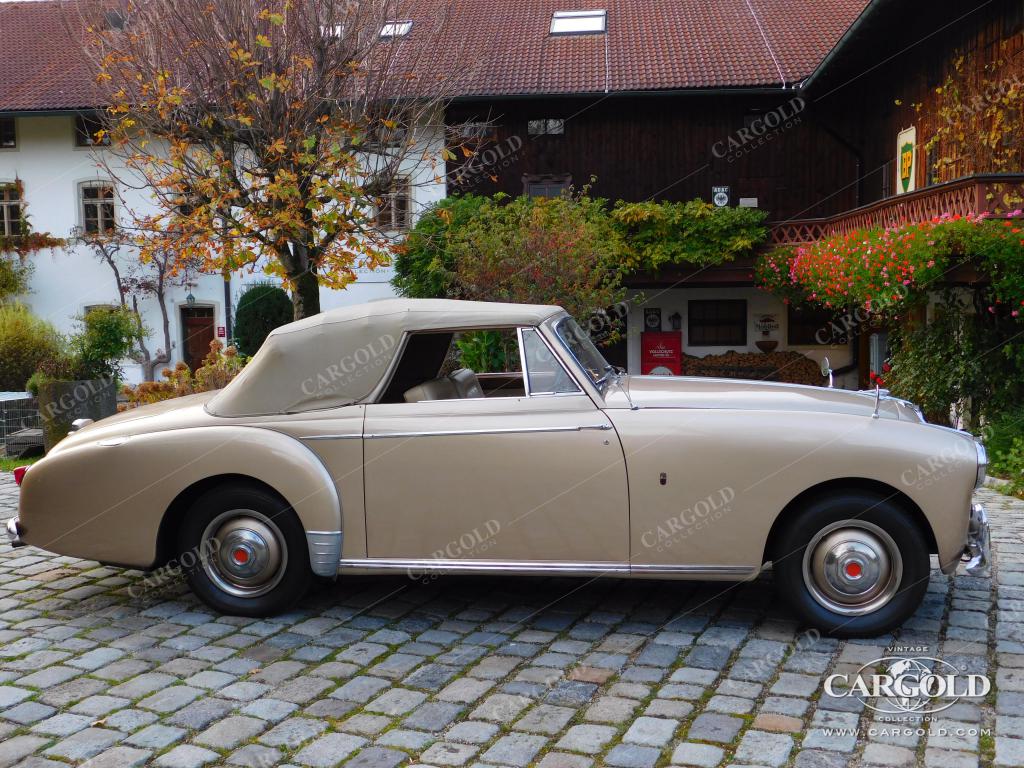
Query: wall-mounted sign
[
  {"x": 661, "y": 353},
  {"x": 720, "y": 196},
  {"x": 766, "y": 323},
  {"x": 652, "y": 319},
  {"x": 221, "y": 332},
  {"x": 906, "y": 160}
]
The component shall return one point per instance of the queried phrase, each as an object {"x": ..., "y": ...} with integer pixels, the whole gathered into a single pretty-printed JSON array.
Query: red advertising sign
[
  {"x": 661, "y": 353},
  {"x": 221, "y": 331}
]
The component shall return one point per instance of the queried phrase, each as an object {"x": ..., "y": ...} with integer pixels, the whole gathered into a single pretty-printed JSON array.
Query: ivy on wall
[{"x": 15, "y": 269}]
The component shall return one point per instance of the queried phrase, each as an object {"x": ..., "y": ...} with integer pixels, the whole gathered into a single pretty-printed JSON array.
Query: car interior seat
[
  {"x": 435, "y": 389},
  {"x": 466, "y": 383},
  {"x": 459, "y": 384}
]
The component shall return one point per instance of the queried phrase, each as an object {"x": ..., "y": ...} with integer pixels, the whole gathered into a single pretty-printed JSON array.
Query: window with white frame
[
  {"x": 10, "y": 209},
  {"x": 8, "y": 133},
  {"x": 395, "y": 211},
  {"x": 97, "y": 207},
  {"x": 579, "y": 22}
]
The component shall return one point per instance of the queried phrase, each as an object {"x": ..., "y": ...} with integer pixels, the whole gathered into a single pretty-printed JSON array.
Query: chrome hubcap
[
  {"x": 852, "y": 567},
  {"x": 244, "y": 553}
]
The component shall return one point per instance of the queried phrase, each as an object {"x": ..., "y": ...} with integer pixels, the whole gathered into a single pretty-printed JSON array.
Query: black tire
[
  {"x": 852, "y": 514},
  {"x": 267, "y": 515}
]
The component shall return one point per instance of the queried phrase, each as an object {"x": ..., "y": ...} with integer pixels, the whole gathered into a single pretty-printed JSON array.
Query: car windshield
[{"x": 582, "y": 348}]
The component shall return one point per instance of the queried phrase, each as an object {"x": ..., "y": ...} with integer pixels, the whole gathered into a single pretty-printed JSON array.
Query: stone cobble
[{"x": 99, "y": 668}]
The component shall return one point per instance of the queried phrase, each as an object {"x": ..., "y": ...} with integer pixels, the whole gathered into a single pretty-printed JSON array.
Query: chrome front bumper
[
  {"x": 14, "y": 533},
  {"x": 978, "y": 552}
]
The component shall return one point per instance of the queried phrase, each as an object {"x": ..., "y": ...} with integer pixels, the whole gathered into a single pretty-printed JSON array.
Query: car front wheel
[
  {"x": 853, "y": 564},
  {"x": 249, "y": 554}
]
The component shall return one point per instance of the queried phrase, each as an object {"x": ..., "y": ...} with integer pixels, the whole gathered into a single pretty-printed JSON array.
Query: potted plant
[{"x": 81, "y": 381}]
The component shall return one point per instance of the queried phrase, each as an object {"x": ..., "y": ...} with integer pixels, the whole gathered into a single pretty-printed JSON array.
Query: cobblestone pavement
[{"x": 98, "y": 669}]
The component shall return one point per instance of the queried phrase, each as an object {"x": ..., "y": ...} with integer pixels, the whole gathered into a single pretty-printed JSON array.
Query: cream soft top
[{"x": 339, "y": 357}]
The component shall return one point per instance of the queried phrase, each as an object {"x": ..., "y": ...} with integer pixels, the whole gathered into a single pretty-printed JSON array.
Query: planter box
[{"x": 61, "y": 402}]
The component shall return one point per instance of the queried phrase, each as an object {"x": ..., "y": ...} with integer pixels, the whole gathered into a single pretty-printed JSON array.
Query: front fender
[{"x": 104, "y": 499}]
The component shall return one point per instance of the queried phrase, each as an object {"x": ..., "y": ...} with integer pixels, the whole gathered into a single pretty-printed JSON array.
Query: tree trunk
[
  {"x": 305, "y": 295},
  {"x": 294, "y": 257}
]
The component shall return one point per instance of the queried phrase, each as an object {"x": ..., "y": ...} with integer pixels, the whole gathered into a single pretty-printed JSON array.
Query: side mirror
[{"x": 826, "y": 370}]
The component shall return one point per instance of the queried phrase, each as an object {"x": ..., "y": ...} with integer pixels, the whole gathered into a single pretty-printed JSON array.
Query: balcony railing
[{"x": 991, "y": 193}]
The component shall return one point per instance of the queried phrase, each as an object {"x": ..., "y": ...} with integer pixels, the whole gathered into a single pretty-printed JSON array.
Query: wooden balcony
[{"x": 990, "y": 193}]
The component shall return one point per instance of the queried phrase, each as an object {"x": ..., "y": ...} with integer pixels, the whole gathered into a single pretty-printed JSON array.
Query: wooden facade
[
  {"x": 829, "y": 149},
  {"x": 664, "y": 147}
]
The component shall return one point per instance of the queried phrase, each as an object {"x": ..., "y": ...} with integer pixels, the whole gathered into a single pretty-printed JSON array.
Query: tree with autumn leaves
[{"x": 271, "y": 133}]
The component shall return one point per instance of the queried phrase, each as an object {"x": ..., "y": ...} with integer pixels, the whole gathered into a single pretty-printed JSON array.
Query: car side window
[{"x": 545, "y": 374}]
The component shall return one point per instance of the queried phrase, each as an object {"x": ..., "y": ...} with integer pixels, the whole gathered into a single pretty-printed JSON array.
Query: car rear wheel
[
  {"x": 248, "y": 551},
  {"x": 853, "y": 564}
]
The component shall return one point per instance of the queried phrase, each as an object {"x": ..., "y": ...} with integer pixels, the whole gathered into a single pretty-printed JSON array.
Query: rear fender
[{"x": 105, "y": 499}]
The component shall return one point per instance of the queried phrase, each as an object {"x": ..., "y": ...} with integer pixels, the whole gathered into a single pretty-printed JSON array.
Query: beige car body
[{"x": 644, "y": 477}]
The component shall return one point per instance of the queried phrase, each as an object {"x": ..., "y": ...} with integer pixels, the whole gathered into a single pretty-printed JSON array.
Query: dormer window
[
  {"x": 394, "y": 29},
  {"x": 579, "y": 22}
]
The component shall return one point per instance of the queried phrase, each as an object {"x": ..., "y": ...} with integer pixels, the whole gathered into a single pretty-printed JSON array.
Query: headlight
[{"x": 982, "y": 463}]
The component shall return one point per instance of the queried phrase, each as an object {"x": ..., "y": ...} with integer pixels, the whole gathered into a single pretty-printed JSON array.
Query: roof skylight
[
  {"x": 579, "y": 22},
  {"x": 396, "y": 29}
]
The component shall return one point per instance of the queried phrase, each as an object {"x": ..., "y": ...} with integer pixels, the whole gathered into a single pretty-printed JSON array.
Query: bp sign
[{"x": 906, "y": 160}]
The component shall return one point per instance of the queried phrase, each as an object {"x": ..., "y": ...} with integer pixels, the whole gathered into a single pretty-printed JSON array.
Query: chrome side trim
[
  {"x": 330, "y": 437},
  {"x": 324, "y": 551},
  {"x": 707, "y": 570},
  {"x": 497, "y": 566},
  {"x": 550, "y": 566},
  {"x": 494, "y": 431}
]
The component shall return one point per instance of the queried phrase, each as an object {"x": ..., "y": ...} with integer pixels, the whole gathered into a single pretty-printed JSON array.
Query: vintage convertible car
[{"x": 360, "y": 440}]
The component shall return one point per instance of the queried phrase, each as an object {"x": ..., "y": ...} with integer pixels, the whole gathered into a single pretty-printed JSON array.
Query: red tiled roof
[
  {"x": 649, "y": 45},
  {"x": 42, "y": 65}
]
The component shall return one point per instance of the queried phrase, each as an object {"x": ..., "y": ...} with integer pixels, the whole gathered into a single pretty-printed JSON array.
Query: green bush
[
  {"x": 1004, "y": 439},
  {"x": 425, "y": 266},
  {"x": 1000, "y": 433},
  {"x": 694, "y": 232},
  {"x": 14, "y": 276},
  {"x": 108, "y": 335},
  {"x": 25, "y": 342},
  {"x": 262, "y": 308},
  {"x": 1010, "y": 466},
  {"x": 480, "y": 247}
]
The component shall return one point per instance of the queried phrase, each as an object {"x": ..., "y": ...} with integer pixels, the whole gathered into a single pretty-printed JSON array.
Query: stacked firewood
[{"x": 791, "y": 367}]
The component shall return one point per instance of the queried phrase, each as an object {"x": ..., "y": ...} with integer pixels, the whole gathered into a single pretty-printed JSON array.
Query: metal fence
[{"x": 18, "y": 412}]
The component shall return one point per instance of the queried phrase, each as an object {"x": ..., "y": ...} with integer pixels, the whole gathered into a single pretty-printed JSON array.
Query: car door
[{"x": 498, "y": 481}]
